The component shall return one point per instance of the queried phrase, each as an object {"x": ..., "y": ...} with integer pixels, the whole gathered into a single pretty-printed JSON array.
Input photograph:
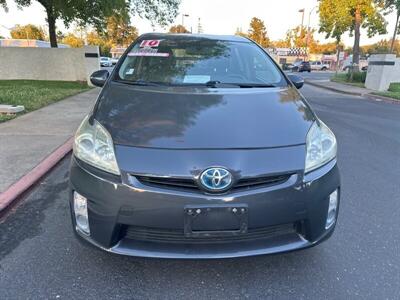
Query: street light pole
[
  {"x": 302, "y": 18},
  {"x": 308, "y": 29},
  {"x": 302, "y": 22}
]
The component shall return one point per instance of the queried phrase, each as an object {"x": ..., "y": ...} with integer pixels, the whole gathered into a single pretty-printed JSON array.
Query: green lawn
[
  {"x": 359, "y": 79},
  {"x": 393, "y": 92},
  {"x": 34, "y": 94}
]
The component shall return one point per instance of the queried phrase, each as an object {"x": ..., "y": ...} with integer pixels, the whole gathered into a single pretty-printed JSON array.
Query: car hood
[{"x": 200, "y": 118}]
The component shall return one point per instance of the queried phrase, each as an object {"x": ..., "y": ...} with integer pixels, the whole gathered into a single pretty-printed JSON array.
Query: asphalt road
[
  {"x": 314, "y": 75},
  {"x": 40, "y": 257},
  {"x": 109, "y": 69}
]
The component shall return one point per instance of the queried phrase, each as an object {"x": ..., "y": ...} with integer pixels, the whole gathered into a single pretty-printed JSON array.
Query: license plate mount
[{"x": 202, "y": 221}]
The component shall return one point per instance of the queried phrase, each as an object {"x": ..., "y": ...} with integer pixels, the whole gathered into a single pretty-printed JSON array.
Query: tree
[
  {"x": 28, "y": 32},
  {"x": 96, "y": 12},
  {"x": 73, "y": 41},
  {"x": 327, "y": 48},
  {"x": 3, "y": 3},
  {"x": 258, "y": 32},
  {"x": 340, "y": 16},
  {"x": 119, "y": 31},
  {"x": 162, "y": 12},
  {"x": 239, "y": 32},
  {"x": 390, "y": 6},
  {"x": 381, "y": 47},
  {"x": 178, "y": 29},
  {"x": 281, "y": 44},
  {"x": 299, "y": 37},
  {"x": 95, "y": 39}
]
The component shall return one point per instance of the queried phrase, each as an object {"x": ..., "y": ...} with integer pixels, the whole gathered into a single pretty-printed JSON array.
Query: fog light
[
  {"x": 333, "y": 203},
  {"x": 81, "y": 214}
]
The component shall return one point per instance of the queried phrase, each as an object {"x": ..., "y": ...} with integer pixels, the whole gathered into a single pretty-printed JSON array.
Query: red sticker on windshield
[{"x": 150, "y": 43}]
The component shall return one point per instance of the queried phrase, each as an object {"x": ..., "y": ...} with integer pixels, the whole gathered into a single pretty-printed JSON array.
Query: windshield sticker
[
  {"x": 150, "y": 43},
  {"x": 196, "y": 79},
  {"x": 145, "y": 53},
  {"x": 129, "y": 71}
]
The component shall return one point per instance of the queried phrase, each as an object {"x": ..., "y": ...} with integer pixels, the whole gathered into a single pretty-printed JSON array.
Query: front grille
[
  {"x": 190, "y": 184},
  {"x": 177, "y": 236},
  {"x": 168, "y": 182}
]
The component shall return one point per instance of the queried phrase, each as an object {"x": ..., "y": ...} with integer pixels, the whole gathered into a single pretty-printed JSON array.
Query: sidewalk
[
  {"x": 340, "y": 87},
  {"x": 27, "y": 140},
  {"x": 350, "y": 90}
]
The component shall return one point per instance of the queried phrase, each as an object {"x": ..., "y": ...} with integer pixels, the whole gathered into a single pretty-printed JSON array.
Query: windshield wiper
[
  {"x": 255, "y": 85},
  {"x": 142, "y": 83},
  {"x": 216, "y": 84}
]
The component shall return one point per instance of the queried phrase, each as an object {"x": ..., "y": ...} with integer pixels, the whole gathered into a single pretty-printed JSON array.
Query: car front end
[
  {"x": 202, "y": 171},
  {"x": 149, "y": 215}
]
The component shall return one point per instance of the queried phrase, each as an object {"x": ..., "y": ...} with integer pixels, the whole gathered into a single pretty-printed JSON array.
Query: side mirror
[
  {"x": 297, "y": 81},
  {"x": 99, "y": 78}
]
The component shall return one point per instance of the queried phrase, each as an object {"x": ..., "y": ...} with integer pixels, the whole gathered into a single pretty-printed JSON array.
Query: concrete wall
[
  {"x": 383, "y": 69},
  {"x": 68, "y": 64}
]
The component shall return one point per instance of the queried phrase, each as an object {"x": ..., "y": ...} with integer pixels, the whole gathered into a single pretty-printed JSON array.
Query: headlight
[
  {"x": 94, "y": 145},
  {"x": 320, "y": 145}
]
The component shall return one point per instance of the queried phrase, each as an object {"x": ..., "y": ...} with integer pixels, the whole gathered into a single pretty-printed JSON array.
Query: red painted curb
[{"x": 29, "y": 179}]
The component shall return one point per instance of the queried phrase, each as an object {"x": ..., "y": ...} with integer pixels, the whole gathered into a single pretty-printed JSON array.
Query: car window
[{"x": 181, "y": 61}]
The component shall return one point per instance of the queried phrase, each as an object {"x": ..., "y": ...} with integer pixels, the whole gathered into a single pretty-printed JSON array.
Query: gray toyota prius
[{"x": 199, "y": 146}]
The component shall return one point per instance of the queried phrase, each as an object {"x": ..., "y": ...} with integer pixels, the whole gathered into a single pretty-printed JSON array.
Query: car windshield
[{"x": 198, "y": 61}]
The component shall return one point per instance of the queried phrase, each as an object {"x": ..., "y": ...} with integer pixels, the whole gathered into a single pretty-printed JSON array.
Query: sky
[{"x": 217, "y": 17}]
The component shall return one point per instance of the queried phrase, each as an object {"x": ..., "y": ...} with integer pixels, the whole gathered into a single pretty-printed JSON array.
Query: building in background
[
  {"x": 286, "y": 57},
  {"x": 116, "y": 52}
]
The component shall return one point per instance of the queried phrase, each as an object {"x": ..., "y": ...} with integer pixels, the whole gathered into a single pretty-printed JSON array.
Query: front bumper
[{"x": 133, "y": 219}]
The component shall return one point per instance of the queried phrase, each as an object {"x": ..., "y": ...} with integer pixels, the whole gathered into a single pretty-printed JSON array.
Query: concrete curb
[
  {"x": 382, "y": 98},
  {"x": 367, "y": 95},
  {"x": 333, "y": 89},
  {"x": 12, "y": 193}
]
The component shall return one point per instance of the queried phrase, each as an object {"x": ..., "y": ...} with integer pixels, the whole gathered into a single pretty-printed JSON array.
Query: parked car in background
[
  {"x": 319, "y": 66},
  {"x": 295, "y": 66},
  {"x": 164, "y": 165},
  {"x": 363, "y": 63},
  {"x": 105, "y": 61},
  {"x": 303, "y": 66},
  {"x": 114, "y": 60},
  {"x": 287, "y": 66}
]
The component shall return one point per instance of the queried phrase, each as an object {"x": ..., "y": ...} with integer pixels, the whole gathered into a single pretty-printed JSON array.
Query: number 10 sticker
[{"x": 150, "y": 43}]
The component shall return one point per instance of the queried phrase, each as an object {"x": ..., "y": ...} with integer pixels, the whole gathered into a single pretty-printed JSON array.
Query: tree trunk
[
  {"x": 356, "y": 47},
  {"x": 395, "y": 32},
  {"x": 51, "y": 20}
]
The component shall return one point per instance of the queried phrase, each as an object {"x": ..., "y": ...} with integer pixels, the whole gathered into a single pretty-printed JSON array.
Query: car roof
[{"x": 227, "y": 38}]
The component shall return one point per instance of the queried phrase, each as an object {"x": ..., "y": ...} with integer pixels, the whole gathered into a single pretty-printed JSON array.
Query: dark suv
[{"x": 304, "y": 67}]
